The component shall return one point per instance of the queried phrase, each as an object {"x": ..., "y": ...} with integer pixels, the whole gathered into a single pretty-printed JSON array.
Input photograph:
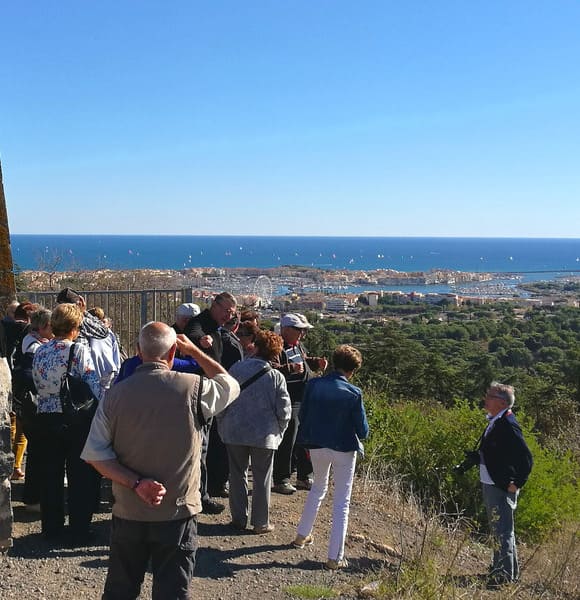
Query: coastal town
[{"x": 306, "y": 288}]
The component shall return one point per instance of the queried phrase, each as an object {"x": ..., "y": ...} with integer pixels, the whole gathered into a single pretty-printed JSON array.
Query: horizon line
[{"x": 252, "y": 235}]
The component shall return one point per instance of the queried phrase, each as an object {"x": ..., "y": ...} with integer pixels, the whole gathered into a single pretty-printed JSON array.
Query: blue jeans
[{"x": 500, "y": 508}]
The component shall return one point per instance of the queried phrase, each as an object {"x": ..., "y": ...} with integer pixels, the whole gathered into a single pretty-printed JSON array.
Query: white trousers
[{"x": 343, "y": 464}]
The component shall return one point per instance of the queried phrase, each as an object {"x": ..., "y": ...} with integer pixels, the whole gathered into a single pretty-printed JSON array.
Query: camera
[{"x": 471, "y": 459}]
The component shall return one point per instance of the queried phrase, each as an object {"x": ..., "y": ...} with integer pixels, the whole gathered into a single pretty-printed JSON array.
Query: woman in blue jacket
[{"x": 332, "y": 423}]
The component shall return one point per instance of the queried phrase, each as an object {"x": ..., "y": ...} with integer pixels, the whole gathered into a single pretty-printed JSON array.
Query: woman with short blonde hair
[{"x": 60, "y": 441}]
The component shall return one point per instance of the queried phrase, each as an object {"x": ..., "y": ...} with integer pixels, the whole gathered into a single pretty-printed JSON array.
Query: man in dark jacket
[
  {"x": 505, "y": 464},
  {"x": 204, "y": 331}
]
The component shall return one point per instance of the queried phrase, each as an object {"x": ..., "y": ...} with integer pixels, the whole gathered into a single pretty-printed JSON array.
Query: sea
[{"x": 529, "y": 259}]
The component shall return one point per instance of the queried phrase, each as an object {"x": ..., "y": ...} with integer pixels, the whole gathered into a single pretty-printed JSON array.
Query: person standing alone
[{"x": 505, "y": 465}]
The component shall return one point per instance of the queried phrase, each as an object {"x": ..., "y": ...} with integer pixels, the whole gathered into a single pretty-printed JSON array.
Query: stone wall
[{"x": 6, "y": 456}]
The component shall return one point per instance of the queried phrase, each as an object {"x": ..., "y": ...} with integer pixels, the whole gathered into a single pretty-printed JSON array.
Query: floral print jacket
[{"x": 49, "y": 366}]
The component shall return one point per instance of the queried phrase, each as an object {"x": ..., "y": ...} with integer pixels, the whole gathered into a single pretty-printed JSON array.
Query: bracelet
[{"x": 136, "y": 484}]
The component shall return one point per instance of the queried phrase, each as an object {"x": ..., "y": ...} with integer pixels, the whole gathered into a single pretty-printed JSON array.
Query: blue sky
[{"x": 293, "y": 118}]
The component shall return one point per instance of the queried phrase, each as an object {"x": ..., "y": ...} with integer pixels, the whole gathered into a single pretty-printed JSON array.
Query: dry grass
[{"x": 443, "y": 558}]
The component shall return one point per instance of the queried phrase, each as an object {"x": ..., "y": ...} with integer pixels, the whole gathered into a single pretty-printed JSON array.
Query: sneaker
[
  {"x": 304, "y": 484},
  {"x": 263, "y": 529},
  {"x": 211, "y": 507},
  {"x": 333, "y": 565},
  {"x": 237, "y": 525},
  {"x": 284, "y": 488},
  {"x": 303, "y": 540}
]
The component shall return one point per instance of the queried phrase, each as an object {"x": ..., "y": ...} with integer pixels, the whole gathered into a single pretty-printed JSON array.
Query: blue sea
[{"x": 540, "y": 258}]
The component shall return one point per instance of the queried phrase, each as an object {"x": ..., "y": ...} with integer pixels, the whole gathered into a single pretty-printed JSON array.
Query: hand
[
  {"x": 151, "y": 491},
  {"x": 206, "y": 341},
  {"x": 186, "y": 347},
  {"x": 322, "y": 364},
  {"x": 296, "y": 367},
  {"x": 512, "y": 488}
]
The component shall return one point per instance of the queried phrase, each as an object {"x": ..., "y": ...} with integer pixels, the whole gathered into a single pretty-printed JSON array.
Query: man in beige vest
[{"x": 146, "y": 438}]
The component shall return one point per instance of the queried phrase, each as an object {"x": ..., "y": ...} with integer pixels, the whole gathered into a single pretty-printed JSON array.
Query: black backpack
[{"x": 24, "y": 393}]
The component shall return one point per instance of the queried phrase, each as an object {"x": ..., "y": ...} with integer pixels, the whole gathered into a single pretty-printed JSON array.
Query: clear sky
[{"x": 296, "y": 117}]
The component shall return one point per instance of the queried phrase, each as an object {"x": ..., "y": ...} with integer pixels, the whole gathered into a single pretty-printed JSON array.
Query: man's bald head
[{"x": 157, "y": 341}]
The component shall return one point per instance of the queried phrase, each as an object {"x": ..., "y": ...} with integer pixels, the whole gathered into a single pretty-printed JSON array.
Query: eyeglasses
[
  {"x": 496, "y": 397},
  {"x": 229, "y": 311}
]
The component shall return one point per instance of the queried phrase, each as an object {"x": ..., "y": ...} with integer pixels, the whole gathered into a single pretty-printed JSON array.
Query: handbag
[{"x": 76, "y": 397}]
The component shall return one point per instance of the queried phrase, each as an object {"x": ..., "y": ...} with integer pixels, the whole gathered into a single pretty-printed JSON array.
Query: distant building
[
  {"x": 337, "y": 304},
  {"x": 372, "y": 298}
]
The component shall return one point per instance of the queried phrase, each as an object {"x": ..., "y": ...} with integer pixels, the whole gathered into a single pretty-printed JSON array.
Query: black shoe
[
  {"x": 211, "y": 507},
  {"x": 221, "y": 492}
]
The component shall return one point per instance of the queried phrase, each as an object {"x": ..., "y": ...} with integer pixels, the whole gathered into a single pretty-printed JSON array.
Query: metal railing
[{"x": 129, "y": 310}]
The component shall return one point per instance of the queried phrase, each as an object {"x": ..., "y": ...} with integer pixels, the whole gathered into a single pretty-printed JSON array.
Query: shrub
[{"x": 420, "y": 444}]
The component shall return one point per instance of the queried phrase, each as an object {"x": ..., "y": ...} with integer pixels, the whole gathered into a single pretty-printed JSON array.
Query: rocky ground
[{"x": 242, "y": 565}]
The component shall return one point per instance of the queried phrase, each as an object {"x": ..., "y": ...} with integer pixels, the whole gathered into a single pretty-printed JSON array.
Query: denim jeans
[{"x": 500, "y": 507}]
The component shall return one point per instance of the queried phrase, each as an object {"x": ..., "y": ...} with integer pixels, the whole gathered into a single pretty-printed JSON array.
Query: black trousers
[
  {"x": 31, "y": 492},
  {"x": 217, "y": 464},
  {"x": 283, "y": 457},
  {"x": 59, "y": 451},
  {"x": 171, "y": 547}
]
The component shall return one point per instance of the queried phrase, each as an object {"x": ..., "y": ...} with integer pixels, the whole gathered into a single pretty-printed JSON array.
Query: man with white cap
[
  {"x": 297, "y": 369},
  {"x": 183, "y": 313}
]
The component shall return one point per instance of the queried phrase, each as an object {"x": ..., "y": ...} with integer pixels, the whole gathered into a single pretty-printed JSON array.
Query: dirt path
[
  {"x": 233, "y": 565},
  {"x": 229, "y": 564}
]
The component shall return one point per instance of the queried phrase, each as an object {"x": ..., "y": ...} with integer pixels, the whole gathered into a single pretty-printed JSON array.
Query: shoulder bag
[{"x": 76, "y": 397}]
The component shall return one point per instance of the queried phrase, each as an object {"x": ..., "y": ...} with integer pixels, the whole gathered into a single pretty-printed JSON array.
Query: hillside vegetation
[{"x": 424, "y": 377}]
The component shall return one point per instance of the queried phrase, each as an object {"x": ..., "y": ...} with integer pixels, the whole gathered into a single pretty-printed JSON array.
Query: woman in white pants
[{"x": 332, "y": 423}]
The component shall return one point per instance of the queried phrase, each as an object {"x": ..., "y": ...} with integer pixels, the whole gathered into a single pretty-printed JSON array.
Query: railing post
[
  {"x": 187, "y": 295},
  {"x": 143, "y": 309}
]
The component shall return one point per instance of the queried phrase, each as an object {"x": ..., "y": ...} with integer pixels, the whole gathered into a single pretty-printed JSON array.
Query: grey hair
[
  {"x": 40, "y": 319},
  {"x": 156, "y": 339},
  {"x": 504, "y": 391}
]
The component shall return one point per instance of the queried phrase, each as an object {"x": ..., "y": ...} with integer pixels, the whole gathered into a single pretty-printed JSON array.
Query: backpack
[{"x": 24, "y": 393}]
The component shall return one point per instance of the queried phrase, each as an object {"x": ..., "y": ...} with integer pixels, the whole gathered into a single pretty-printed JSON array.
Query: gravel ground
[{"x": 229, "y": 564}]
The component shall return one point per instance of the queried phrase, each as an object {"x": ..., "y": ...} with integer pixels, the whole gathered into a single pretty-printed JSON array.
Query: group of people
[
  {"x": 41, "y": 346},
  {"x": 203, "y": 403}
]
